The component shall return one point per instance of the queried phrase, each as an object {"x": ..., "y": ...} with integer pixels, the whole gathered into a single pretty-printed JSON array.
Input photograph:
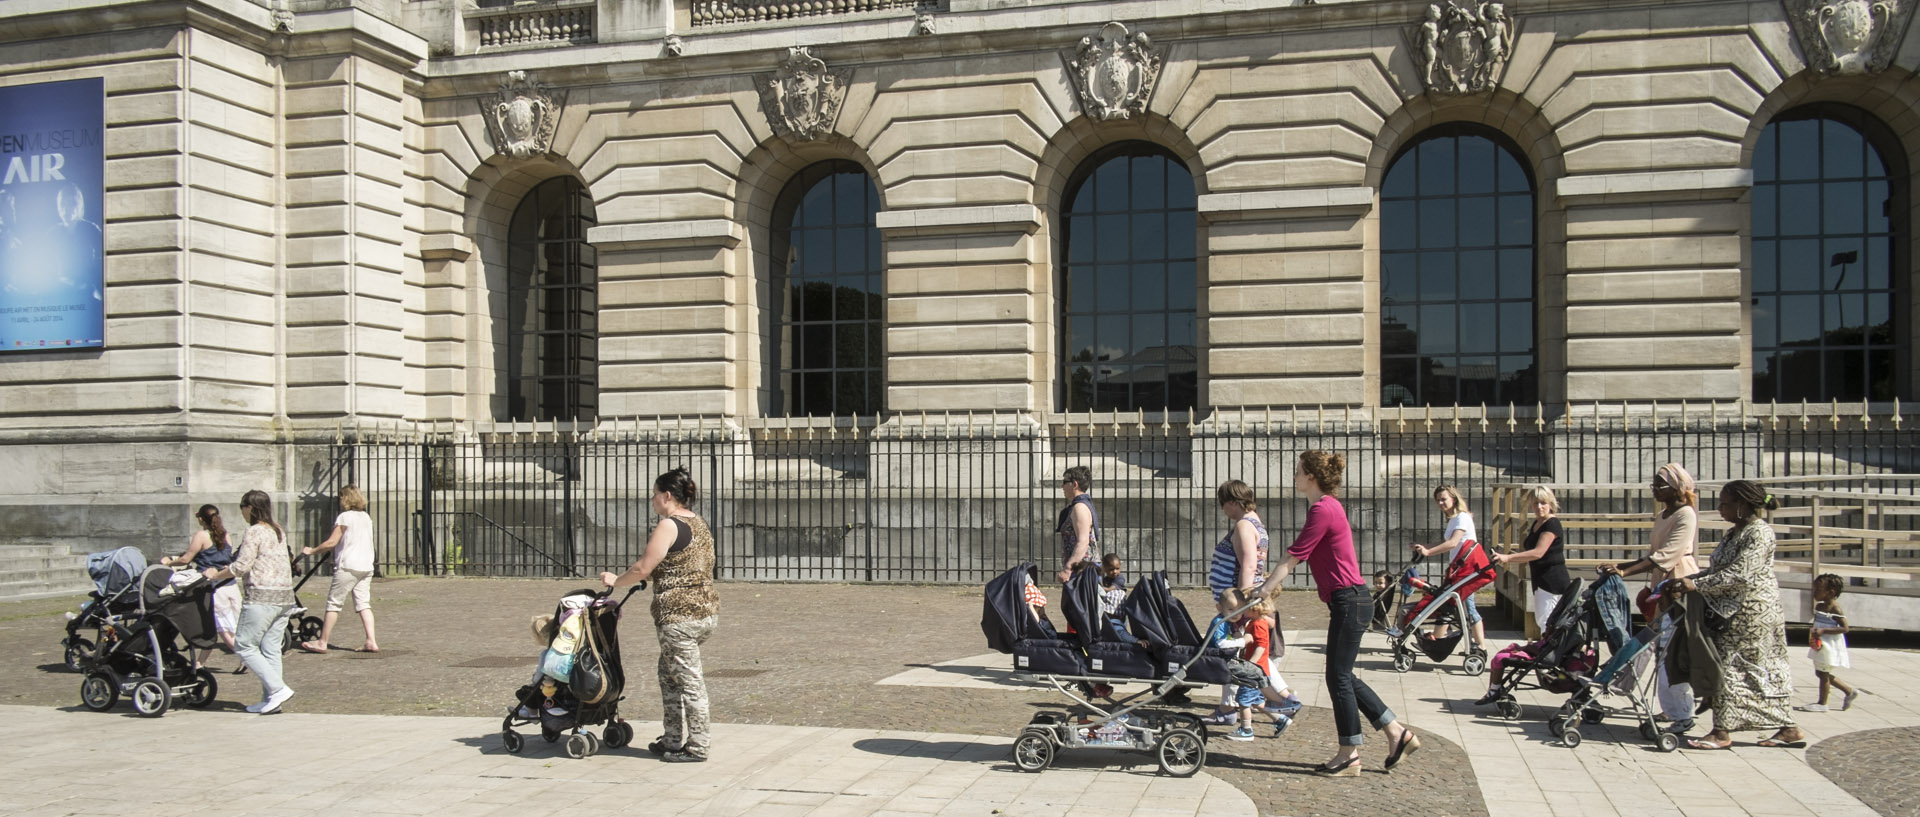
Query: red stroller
[{"x": 1442, "y": 604}]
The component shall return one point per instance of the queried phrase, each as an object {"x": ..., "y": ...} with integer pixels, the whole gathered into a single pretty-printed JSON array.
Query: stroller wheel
[
  {"x": 579, "y": 745},
  {"x": 512, "y": 741},
  {"x": 1508, "y": 708},
  {"x": 1649, "y": 731},
  {"x": 1032, "y": 751},
  {"x": 1570, "y": 737},
  {"x": 100, "y": 690},
  {"x": 1668, "y": 742},
  {"x": 79, "y": 652},
  {"x": 204, "y": 688},
  {"x": 151, "y": 697},
  {"x": 1182, "y": 753},
  {"x": 617, "y": 735},
  {"x": 1402, "y": 659},
  {"x": 1475, "y": 664},
  {"x": 1556, "y": 725}
]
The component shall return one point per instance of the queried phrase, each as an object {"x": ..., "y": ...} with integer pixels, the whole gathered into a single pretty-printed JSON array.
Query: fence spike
[
  {"x": 1835, "y": 416},
  {"x": 1866, "y": 416},
  {"x": 1429, "y": 418},
  {"x": 1803, "y": 414},
  {"x": 1346, "y": 421},
  {"x": 1540, "y": 416},
  {"x": 1456, "y": 418},
  {"x": 1513, "y": 420},
  {"x": 1483, "y": 416},
  {"x": 969, "y": 424},
  {"x": 1896, "y": 414}
]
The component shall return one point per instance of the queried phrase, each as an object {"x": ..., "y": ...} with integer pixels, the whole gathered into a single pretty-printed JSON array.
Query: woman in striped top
[{"x": 1239, "y": 560}]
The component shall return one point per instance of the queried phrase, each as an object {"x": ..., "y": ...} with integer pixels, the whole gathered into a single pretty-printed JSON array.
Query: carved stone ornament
[
  {"x": 1113, "y": 72},
  {"x": 803, "y": 98},
  {"x": 923, "y": 24},
  {"x": 1849, "y": 36},
  {"x": 1461, "y": 47},
  {"x": 675, "y": 46},
  {"x": 522, "y": 119}
]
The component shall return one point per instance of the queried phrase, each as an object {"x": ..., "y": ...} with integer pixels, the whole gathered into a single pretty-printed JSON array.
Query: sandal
[
  {"x": 1776, "y": 743},
  {"x": 1709, "y": 746}
]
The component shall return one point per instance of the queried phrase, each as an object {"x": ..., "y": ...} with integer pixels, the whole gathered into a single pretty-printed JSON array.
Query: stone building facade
[{"x": 327, "y": 213}]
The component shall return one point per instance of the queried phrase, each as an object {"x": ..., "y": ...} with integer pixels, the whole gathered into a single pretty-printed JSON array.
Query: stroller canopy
[
  {"x": 114, "y": 570},
  {"x": 1156, "y": 617},
  {"x": 1004, "y": 617},
  {"x": 185, "y": 603}
]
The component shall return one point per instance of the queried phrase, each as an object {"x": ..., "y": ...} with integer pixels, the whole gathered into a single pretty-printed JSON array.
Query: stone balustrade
[
  {"x": 725, "y": 12},
  {"x": 523, "y": 25}
]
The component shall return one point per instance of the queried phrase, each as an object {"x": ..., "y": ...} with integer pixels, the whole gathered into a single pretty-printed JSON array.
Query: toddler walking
[
  {"x": 1257, "y": 682},
  {"x": 1827, "y": 642}
]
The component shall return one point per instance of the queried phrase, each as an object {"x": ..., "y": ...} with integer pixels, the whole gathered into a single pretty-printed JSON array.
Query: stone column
[
  {"x": 668, "y": 314},
  {"x": 1655, "y": 296}
]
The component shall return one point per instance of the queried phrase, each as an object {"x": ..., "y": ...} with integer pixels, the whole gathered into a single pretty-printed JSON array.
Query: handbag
[{"x": 590, "y": 681}]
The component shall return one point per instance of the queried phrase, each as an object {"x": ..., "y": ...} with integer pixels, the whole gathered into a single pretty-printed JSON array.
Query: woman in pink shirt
[{"x": 1326, "y": 545}]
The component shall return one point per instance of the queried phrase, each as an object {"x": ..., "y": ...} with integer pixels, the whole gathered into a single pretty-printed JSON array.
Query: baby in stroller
[
  {"x": 1555, "y": 662},
  {"x": 579, "y": 681}
]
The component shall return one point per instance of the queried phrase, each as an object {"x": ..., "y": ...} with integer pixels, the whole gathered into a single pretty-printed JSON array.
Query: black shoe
[
  {"x": 1347, "y": 769},
  {"x": 1408, "y": 745},
  {"x": 1488, "y": 698},
  {"x": 683, "y": 757},
  {"x": 659, "y": 746}
]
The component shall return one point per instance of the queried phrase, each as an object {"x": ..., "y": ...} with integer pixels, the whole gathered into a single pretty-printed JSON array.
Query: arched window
[
  {"x": 1456, "y": 273},
  {"x": 827, "y": 315},
  {"x": 1827, "y": 209},
  {"x": 1127, "y": 284},
  {"x": 552, "y": 337}
]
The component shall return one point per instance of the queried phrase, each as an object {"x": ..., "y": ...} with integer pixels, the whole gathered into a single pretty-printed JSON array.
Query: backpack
[{"x": 590, "y": 681}]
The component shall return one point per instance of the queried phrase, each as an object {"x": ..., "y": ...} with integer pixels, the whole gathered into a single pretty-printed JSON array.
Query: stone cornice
[
  {"x": 1659, "y": 185},
  {"x": 986, "y": 218},
  {"x": 329, "y": 31},
  {"x": 655, "y": 235},
  {"x": 1294, "y": 203}
]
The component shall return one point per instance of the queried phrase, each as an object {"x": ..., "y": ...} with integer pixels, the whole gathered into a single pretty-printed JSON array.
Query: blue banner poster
[{"x": 52, "y": 168}]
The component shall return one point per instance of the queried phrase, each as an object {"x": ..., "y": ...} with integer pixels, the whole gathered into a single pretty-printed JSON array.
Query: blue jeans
[
  {"x": 1473, "y": 610},
  {"x": 1347, "y": 614},
  {"x": 259, "y": 641}
]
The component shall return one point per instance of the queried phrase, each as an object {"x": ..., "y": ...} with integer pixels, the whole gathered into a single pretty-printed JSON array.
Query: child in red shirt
[{"x": 1251, "y": 670}]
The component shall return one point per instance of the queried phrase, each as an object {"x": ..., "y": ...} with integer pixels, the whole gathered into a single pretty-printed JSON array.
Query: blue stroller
[{"x": 1629, "y": 677}]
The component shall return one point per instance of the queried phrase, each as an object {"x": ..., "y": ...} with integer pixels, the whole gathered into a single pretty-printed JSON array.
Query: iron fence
[{"x": 960, "y": 499}]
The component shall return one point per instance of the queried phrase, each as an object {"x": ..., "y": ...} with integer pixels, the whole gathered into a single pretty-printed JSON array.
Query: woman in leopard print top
[{"x": 679, "y": 561}]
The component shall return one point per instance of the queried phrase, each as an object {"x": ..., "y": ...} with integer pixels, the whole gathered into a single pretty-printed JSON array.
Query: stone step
[
  {"x": 41, "y": 570},
  {"x": 25, "y": 589},
  {"x": 22, "y": 551}
]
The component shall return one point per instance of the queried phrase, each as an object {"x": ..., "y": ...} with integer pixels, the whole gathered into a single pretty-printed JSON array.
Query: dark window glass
[
  {"x": 1456, "y": 283},
  {"x": 1823, "y": 293},
  {"x": 824, "y": 353},
  {"x": 1127, "y": 284},
  {"x": 551, "y": 338}
]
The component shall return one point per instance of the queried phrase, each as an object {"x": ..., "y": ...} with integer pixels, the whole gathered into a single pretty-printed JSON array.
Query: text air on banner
[{"x": 52, "y": 169}]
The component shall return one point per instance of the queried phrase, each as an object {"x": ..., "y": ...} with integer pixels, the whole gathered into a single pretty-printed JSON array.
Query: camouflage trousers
[{"x": 683, "y": 690}]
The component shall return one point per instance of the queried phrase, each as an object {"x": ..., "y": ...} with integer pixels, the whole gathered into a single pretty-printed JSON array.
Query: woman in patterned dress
[
  {"x": 679, "y": 560},
  {"x": 1750, "y": 635}
]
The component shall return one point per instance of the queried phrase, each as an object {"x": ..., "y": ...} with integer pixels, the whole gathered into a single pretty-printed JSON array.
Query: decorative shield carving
[
  {"x": 522, "y": 119},
  {"x": 803, "y": 98},
  {"x": 1113, "y": 72},
  {"x": 1461, "y": 47},
  {"x": 1849, "y": 36}
]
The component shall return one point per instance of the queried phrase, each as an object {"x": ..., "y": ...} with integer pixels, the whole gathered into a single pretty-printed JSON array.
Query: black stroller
[
  {"x": 140, "y": 653},
  {"x": 302, "y": 626},
  {"x": 116, "y": 583},
  {"x": 1554, "y": 663},
  {"x": 595, "y": 683},
  {"x": 1164, "y": 650}
]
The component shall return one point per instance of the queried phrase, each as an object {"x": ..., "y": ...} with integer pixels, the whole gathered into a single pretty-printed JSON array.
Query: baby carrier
[
  {"x": 141, "y": 654},
  {"x": 115, "y": 575},
  {"x": 1444, "y": 604},
  {"x": 580, "y": 680}
]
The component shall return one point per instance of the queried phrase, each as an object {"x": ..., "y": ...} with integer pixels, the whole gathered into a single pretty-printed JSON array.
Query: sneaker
[
  {"x": 273, "y": 702},
  {"x": 1288, "y": 707},
  {"x": 255, "y": 708},
  {"x": 683, "y": 757},
  {"x": 1812, "y": 708},
  {"x": 1242, "y": 733},
  {"x": 1681, "y": 727},
  {"x": 1847, "y": 702},
  {"x": 1222, "y": 718},
  {"x": 659, "y": 746},
  {"x": 1280, "y": 725}
]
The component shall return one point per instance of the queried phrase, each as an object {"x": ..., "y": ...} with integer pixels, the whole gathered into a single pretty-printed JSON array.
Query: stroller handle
[{"x": 637, "y": 587}]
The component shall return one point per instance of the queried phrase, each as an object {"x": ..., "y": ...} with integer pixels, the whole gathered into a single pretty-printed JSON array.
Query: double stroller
[
  {"x": 580, "y": 680},
  {"x": 141, "y": 653},
  {"x": 1158, "y": 643},
  {"x": 116, "y": 583},
  {"x": 1443, "y": 605}
]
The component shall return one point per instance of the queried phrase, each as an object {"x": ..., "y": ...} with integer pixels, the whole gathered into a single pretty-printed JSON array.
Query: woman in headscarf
[
  {"x": 1676, "y": 528},
  {"x": 1746, "y": 625}
]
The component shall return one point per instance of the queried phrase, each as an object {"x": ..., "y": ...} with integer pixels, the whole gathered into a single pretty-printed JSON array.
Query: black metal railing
[{"x": 957, "y": 500}]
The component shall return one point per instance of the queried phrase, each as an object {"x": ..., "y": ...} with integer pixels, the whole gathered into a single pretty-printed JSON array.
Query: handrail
[{"x": 510, "y": 534}]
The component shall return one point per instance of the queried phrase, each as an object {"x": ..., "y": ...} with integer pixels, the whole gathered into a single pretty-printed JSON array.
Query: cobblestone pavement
[
  {"x": 1876, "y": 766},
  {"x": 812, "y": 655}
]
